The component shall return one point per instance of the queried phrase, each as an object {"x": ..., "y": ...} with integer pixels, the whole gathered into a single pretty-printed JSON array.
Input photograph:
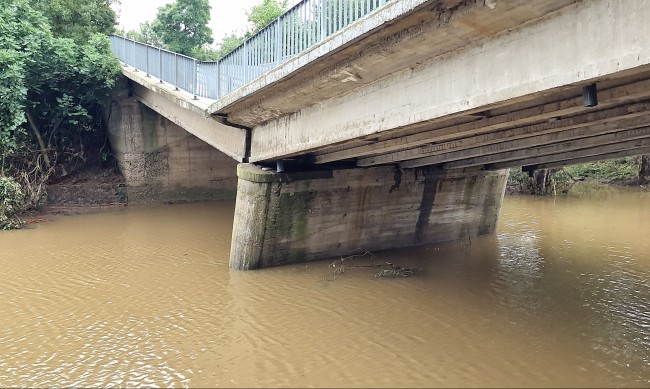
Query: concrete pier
[{"x": 285, "y": 218}]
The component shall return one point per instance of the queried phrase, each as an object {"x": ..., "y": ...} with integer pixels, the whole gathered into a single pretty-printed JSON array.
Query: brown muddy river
[{"x": 143, "y": 296}]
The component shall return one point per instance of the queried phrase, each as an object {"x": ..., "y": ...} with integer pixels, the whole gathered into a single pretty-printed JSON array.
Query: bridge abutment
[
  {"x": 163, "y": 162},
  {"x": 283, "y": 218}
]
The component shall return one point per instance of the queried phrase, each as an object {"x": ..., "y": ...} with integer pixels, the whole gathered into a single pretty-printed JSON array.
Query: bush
[{"x": 11, "y": 200}]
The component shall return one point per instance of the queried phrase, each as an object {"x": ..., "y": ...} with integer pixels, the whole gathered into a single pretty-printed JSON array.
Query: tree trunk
[
  {"x": 540, "y": 178},
  {"x": 39, "y": 137},
  {"x": 644, "y": 170}
]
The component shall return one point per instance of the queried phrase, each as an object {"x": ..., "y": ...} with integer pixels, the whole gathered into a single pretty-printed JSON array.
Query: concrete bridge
[{"x": 363, "y": 125}]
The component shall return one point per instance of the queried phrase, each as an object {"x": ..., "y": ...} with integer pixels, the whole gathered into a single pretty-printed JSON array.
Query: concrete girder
[
  {"x": 592, "y": 158},
  {"x": 439, "y": 131},
  {"x": 575, "y": 127},
  {"x": 601, "y": 144}
]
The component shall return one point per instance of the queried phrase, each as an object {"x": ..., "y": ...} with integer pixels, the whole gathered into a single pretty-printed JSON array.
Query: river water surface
[{"x": 143, "y": 296}]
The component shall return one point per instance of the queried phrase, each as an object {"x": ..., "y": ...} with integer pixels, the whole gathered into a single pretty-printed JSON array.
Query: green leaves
[
  {"x": 263, "y": 14},
  {"x": 78, "y": 20},
  {"x": 11, "y": 198},
  {"x": 12, "y": 97},
  {"x": 259, "y": 16},
  {"x": 183, "y": 25},
  {"x": 63, "y": 84}
]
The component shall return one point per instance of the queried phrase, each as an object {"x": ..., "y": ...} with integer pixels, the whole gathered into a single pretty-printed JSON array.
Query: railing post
[
  {"x": 133, "y": 62},
  {"x": 196, "y": 78},
  {"x": 160, "y": 68},
  {"x": 278, "y": 41},
  {"x": 246, "y": 62},
  {"x": 146, "y": 54},
  {"x": 176, "y": 71},
  {"x": 322, "y": 19},
  {"x": 218, "y": 79}
]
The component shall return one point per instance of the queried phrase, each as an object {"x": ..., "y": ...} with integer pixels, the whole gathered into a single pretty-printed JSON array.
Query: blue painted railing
[{"x": 303, "y": 26}]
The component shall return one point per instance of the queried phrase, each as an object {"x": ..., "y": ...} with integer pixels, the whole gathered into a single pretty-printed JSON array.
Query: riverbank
[
  {"x": 88, "y": 191},
  {"x": 616, "y": 173}
]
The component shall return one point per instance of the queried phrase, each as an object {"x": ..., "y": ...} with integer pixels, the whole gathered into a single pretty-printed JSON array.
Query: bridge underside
[
  {"x": 462, "y": 84},
  {"x": 399, "y": 135}
]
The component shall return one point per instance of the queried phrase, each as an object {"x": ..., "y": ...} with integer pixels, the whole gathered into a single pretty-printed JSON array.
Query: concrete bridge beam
[{"x": 283, "y": 218}]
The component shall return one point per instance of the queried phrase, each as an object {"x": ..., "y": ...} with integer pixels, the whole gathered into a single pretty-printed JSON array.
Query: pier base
[{"x": 283, "y": 218}]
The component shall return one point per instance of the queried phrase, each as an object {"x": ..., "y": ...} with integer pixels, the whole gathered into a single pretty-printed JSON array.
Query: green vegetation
[
  {"x": 261, "y": 15},
  {"x": 144, "y": 34},
  {"x": 56, "y": 73},
  {"x": 627, "y": 171},
  {"x": 11, "y": 199},
  {"x": 183, "y": 25},
  {"x": 77, "y": 20}
]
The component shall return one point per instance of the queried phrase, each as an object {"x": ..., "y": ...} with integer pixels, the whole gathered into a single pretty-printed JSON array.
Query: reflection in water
[{"x": 143, "y": 297}]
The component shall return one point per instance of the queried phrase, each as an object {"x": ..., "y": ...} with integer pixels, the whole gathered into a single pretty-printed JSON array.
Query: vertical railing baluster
[
  {"x": 218, "y": 96},
  {"x": 301, "y": 26},
  {"x": 322, "y": 27},
  {"x": 133, "y": 61},
  {"x": 278, "y": 40},
  {"x": 160, "y": 65},
  {"x": 196, "y": 75},
  {"x": 290, "y": 36},
  {"x": 176, "y": 71},
  {"x": 244, "y": 62},
  {"x": 356, "y": 10},
  {"x": 309, "y": 25}
]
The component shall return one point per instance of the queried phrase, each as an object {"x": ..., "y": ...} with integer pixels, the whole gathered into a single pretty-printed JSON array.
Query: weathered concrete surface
[
  {"x": 161, "y": 161},
  {"x": 294, "y": 217},
  {"x": 489, "y": 64},
  {"x": 399, "y": 35},
  {"x": 190, "y": 114}
]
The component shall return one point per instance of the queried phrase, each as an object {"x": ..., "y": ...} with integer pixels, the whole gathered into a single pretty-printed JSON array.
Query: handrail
[{"x": 304, "y": 25}]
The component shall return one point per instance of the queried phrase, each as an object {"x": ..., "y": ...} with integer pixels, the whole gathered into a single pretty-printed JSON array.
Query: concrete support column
[{"x": 283, "y": 218}]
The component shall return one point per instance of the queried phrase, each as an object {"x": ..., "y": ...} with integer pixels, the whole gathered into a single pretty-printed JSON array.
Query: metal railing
[{"x": 303, "y": 26}]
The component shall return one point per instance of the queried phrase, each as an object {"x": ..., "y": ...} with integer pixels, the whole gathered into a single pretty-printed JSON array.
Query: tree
[
  {"x": 261, "y": 15},
  {"x": 11, "y": 197},
  {"x": 78, "y": 20},
  {"x": 183, "y": 25},
  {"x": 21, "y": 34},
  {"x": 644, "y": 170},
  {"x": 228, "y": 44},
  {"x": 51, "y": 86},
  {"x": 145, "y": 34},
  {"x": 12, "y": 97}
]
